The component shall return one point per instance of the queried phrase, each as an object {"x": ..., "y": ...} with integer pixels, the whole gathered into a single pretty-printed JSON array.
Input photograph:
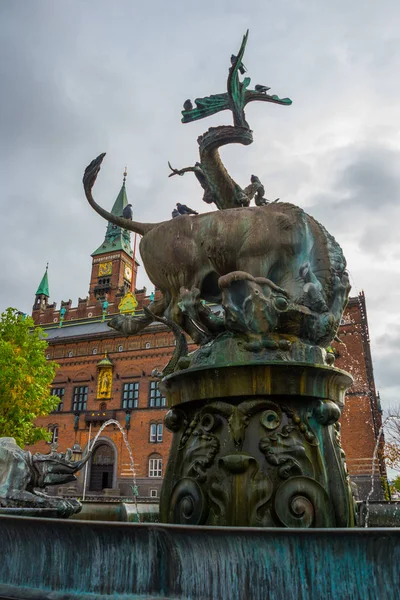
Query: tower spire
[
  {"x": 117, "y": 238},
  {"x": 42, "y": 293},
  {"x": 43, "y": 289},
  {"x": 114, "y": 267}
]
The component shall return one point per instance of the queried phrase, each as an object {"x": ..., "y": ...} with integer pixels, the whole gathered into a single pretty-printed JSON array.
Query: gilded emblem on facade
[
  {"x": 104, "y": 379},
  {"x": 128, "y": 303}
]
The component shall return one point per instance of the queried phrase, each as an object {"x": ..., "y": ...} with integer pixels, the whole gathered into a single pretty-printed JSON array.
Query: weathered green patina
[
  {"x": 116, "y": 238},
  {"x": 218, "y": 185},
  {"x": 257, "y": 445},
  {"x": 261, "y": 290},
  {"x": 21, "y": 474},
  {"x": 50, "y": 559},
  {"x": 43, "y": 289}
]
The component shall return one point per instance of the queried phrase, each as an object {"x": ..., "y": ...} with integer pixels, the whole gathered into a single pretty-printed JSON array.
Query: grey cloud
[
  {"x": 372, "y": 179},
  {"x": 80, "y": 78},
  {"x": 363, "y": 201},
  {"x": 390, "y": 340}
]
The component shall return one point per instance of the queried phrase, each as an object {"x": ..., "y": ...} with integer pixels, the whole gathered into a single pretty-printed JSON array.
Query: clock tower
[{"x": 114, "y": 267}]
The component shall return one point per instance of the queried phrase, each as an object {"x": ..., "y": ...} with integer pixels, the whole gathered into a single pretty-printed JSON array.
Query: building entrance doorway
[{"x": 102, "y": 468}]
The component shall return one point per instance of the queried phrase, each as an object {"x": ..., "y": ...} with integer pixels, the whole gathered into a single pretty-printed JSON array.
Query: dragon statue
[{"x": 21, "y": 474}]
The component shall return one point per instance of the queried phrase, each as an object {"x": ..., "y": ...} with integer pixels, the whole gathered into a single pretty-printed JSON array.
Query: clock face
[
  {"x": 128, "y": 273},
  {"x": 105, "y": 269}
]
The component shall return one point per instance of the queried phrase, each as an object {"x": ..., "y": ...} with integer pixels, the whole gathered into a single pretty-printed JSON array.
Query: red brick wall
[
  {"x": 360, "y": 420},
  {"x": 134, "y": 362}
]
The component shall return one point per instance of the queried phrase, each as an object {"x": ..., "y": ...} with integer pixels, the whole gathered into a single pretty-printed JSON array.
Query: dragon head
[{"x": 56, "y": 468}]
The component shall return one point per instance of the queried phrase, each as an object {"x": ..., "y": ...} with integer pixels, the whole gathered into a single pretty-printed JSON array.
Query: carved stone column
[{"x": 257, "y": 445}]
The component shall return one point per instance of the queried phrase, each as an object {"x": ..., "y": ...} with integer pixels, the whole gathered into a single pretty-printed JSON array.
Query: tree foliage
[
  {"x": 395, "y": 484},
  {"x": 392, "y": 439},
  {"x": 25, "y": 378}
]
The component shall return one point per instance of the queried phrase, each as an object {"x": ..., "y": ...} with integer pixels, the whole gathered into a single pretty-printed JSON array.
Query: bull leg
[{"x": 187, "y": 315}]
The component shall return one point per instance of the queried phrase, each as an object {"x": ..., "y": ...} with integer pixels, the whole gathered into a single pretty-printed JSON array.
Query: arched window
[
  {"x": 54, "y": 434},
  {"x": 155, "y": 465}
]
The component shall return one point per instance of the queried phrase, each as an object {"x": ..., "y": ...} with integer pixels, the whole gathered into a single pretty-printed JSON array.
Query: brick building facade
[
  {"x": 104, "y": 375},
  {"x": 362, "y": 416}
]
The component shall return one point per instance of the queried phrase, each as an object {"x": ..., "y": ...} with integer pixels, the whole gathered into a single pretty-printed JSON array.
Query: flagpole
[
  {"x": 86, "y": 466},
  {"x": 133, "y": 264}
]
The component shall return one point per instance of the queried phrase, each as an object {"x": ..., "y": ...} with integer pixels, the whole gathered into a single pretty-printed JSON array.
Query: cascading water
[{"x": 128, "y": 447}]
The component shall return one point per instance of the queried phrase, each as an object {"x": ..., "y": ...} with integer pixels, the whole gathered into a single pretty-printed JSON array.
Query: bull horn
[{"x": 89, "y": 179}]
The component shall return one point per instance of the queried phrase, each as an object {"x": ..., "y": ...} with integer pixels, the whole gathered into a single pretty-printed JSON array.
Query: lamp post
[{"x": 86, "y": 465}]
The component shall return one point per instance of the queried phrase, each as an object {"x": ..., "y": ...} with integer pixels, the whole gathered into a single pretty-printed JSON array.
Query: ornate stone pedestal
[{"x": 257, "y": 445}]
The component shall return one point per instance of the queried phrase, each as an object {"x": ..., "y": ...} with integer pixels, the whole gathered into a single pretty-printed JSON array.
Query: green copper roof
[
  {"x": 43, "y": 289},
  {"x": 116, "y": 238},
  {"x": 105, "y": 362}
]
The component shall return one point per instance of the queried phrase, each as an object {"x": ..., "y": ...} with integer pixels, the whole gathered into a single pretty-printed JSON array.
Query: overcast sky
[{"x": 85, "y": 76}]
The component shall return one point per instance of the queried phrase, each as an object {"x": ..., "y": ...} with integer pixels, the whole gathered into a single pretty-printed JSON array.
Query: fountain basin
[
  {"x": 117, "y": 511},
  {"x": 380, "y": 514},
  {"x": 59, "y": 559}
]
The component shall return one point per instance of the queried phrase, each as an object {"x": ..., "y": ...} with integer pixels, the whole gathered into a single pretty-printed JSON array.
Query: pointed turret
[
  {"x": 114, "y": 266},
  {"x": 42, "y": 293},
  {"x": 117, "y": 238}
]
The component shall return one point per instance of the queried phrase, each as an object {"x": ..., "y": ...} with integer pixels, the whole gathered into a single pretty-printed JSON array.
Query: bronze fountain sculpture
[
  {"x": 23, "y": 475},
  {"x": 254, "y": 411},
  {"x": 261, "y": 290}
]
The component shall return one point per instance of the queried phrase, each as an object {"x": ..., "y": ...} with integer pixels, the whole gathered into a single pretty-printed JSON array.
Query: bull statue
[
  {"x": 273, "y": 267},
  {"x": 278, "y": 275},
  {"x": 21, "y": 473}
]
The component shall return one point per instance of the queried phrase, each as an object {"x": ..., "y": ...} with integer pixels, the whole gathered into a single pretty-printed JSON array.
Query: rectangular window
[
  {"x": 155, "y": 467},
  {"x": 155, "y": 397},
  {"x": 80, "y": 398},
  {"x": 153, "y": 493},
  {"x": 130, "y": 395},
  {"x": 156, "y": 432},
  {"x": 60, "y": 393}
]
